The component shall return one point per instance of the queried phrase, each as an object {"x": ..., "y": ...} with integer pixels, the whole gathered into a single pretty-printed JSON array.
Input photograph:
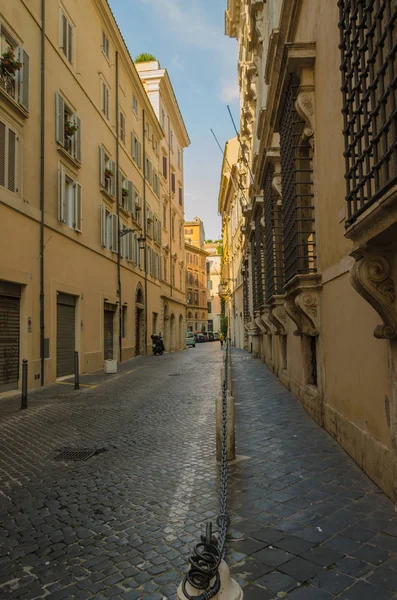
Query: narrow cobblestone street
[{"x": 306, "y": 522}]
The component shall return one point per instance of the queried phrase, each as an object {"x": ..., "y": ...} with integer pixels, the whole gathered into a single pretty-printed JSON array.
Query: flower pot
[
  {"x": 108, "y": 174},
  {"x": 8, "y": 66},
  {"x": 124, "y": 193},
  {"x": 69, "y": 131}
]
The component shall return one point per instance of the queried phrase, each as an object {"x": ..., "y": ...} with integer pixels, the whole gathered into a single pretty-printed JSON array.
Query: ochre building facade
[
  {"x": 318, "y": 128},
  {"x": 80, "y": 194}
]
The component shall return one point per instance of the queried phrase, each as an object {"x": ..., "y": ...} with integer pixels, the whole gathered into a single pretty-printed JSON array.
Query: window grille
[
  {"x": 257, "y": 261},
  {"x": 273, "y": 239},
  {"x": 297, "y": 173},
  {"x": 246, "y": 294},
  {"x": 368, "y": 47}
]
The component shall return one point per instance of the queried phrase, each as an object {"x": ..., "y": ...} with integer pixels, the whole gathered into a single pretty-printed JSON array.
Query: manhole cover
[{"x": 74, "y": 454}]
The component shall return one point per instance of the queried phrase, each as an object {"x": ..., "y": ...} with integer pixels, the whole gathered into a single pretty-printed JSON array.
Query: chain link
[{"x": 207, "y": 556}]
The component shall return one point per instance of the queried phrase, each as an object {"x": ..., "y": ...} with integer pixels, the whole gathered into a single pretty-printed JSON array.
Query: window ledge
[
  {"x": 70, "y": 158},
  {"x": 14, "y": 104},
  {"x": 375, "y": 220},
  {"x": 106, "y": 193},
  {"x": 125, "y": 212}
]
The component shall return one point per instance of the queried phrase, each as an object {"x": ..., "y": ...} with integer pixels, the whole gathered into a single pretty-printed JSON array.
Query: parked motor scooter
[{"x": 157, "y": 344}]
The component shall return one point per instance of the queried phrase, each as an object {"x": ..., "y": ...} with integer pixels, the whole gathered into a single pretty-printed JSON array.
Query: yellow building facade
[
  {"x": 80, "y": 200},
  {"x": 318, "y": 230},
  {"x": 196, "y": 276},
  {"x": 173, "y": 304}
]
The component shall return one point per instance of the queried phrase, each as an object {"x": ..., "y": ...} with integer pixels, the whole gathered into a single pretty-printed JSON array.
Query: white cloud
[{"x": 229, "y": 92}]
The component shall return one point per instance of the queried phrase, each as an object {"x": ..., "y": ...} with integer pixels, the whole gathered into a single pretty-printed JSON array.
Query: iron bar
[
  {"x": 273, "y": 237},
  {"x": 76, "y": 371},
  {"x": 24, "y": 398}
]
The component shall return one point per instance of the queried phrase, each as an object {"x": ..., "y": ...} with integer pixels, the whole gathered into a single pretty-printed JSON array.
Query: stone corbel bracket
[
  {"x": 260, "y": 325},
  {"x": 304, "y": 309},
  {"x": 371, "y": 278},
  {"x": 268, "y": 325},
  {"x": 278, "y": 316},
  {"x": 304, "y": 105}
]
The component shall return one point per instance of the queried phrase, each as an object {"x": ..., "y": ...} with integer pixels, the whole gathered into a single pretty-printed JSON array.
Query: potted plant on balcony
[
  {"x": 137, "y": 207},
  {"x": 124, "y": 192},
  {"x": 108, "y": 173},
  {"x": 9, "y": 63},
  {"x": 149, "y": 220},
  {"x": 70, "y": 129}
]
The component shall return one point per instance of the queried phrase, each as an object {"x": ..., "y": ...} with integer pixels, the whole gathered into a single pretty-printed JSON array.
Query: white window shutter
[
  {"x": 114, "y": 233},
  {"x": 60, "y": 118},
  {"x": 112, "y": 167},
  {"x": 130, "y": 197},
  {"x": 12, "y": 161},
  {"x": 122, "y": 239},
  {"x": 103, "y": 226},
  {"x": 130, "y": 245},
  {"x": 120, "y": 187},
  {"x": 133, "y": 146},
  {"x": 139, "y": 154},
  {"x": 61, "y": 194},
  {"x": 78, "y": 209},
  {"x": 63, "y": 34},
  {"x": 77, "y": 139},
  {"x": 101, "y": 166},
  {"x": 3, "y": 133},
  {"x": 23, "y": 78}
]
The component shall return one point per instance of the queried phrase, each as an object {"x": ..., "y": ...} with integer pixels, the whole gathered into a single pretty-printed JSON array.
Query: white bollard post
[{"x": 229, "y": 590}]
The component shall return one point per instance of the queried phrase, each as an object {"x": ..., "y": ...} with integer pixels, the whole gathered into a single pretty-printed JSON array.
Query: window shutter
[
  {"x": 64, "y": 34},
  {"x": 114, "y": 233},
  {"x": 101, "y": 166},
  {"x": 133, "y": 146},
  {"x": 139, "y": 212},
  {"x": 12, "y": 156},
  {"x": 139, "y": 154},
  {"x": 103, "y": 226},
  {"x": 78, "y": 207},
  {"x": 70, "y": 43},
  {"x": 2, "y": 154},
  {"x": 60, "y": 118},
  {"x": 61, "y": 194},
  {"x": 130, "y": 244},
  {"x": 77, "y": 139},
  {"x": 122, "y": 239},
  {"x": 23, "y": 78},
  {"x": 138, "y": 253},
  {"x": 112, "y": 167},
  {"x": 130, "y": 197}
]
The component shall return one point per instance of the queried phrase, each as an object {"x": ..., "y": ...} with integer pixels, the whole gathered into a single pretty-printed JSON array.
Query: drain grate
[{"x": 75, "y": 454}]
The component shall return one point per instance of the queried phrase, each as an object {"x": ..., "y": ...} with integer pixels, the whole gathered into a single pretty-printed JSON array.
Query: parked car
[
  {"x": 217, "y": 335},
  {"x": 190, "y": 339},
  {"x": 199, "y": 338},
  {"x": 211, "y": 337}
]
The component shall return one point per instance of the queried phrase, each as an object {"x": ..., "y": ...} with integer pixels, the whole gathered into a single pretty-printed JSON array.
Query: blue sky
[{"x": 187, "y": 37}]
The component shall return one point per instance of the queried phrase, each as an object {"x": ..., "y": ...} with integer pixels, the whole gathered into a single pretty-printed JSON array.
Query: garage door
[
  {"x": 108, "y": 333},
  {"x": 9, "y": 337},
  {"x": 65, "y": 334}
]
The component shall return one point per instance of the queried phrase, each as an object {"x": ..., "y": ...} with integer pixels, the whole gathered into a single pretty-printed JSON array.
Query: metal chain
[{"x": 207, "y": 556}]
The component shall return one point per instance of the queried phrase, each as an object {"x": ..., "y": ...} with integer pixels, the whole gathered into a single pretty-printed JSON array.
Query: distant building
[
  {"x": 171, "y": 201},
  {"x": 214, "y": 261},
  {"x": 196, "y": 277}
]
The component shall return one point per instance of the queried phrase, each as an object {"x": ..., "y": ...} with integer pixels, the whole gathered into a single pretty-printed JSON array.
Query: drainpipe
[
  {"x": 118, "y": 210},
  {"x": 144, "y": 228},
  {"x": 170, "y": 195},
  {"x": 42, "y": 148}
]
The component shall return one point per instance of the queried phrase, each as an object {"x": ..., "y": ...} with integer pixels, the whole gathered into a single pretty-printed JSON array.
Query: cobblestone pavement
[
  {"x": 306, "y": 522},
  {"x": 312, "y": 525},
  {"x": 122, "y": 523}
]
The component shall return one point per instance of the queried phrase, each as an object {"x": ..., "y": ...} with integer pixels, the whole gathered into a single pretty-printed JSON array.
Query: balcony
[{"x": 14, "y": 79}]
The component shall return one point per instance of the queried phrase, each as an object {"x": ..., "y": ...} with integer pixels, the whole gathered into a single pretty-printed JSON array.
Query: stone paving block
[
  {"x": 309, "y": 593},
  {"x": 250, "y": 569},
  {"x": 332, "y": 581},
  {"x": 277, "y": 582},
  {"x": 371, "y": 554},
  {"x": 267, "y": 534},
  {"x": 272, "y": 557},
  {"x": 385, "y": 576},
  {"x": 322, "y": 556},
  {"x": 294, "y": 545},
  {"x": 300, "y": 569},
  {"x": 247, "y": 546},
  {"x": 353, "y": 566},
  {"x": 254, "y": 592},
  {"x": 365, "y": 591}
]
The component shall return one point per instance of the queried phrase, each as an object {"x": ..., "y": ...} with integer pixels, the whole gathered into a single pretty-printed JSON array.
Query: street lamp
[
  {"x": 141, "y": 242},
  {"x": 123, "y": 232}
]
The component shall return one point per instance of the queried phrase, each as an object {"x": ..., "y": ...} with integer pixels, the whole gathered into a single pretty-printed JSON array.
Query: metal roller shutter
[
  {"x": 108, "y": 334},
  {"x": 9, "y": 342},
  {"x": 65, "y": 334}
]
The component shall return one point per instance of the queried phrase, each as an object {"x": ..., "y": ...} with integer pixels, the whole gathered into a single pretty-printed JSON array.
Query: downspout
[
  {"x": 170, "y": 195},
  {"x": 42, "y": 149},
  {"x": 118, "y": 211},
  {"x": 144, "y": 227}
]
